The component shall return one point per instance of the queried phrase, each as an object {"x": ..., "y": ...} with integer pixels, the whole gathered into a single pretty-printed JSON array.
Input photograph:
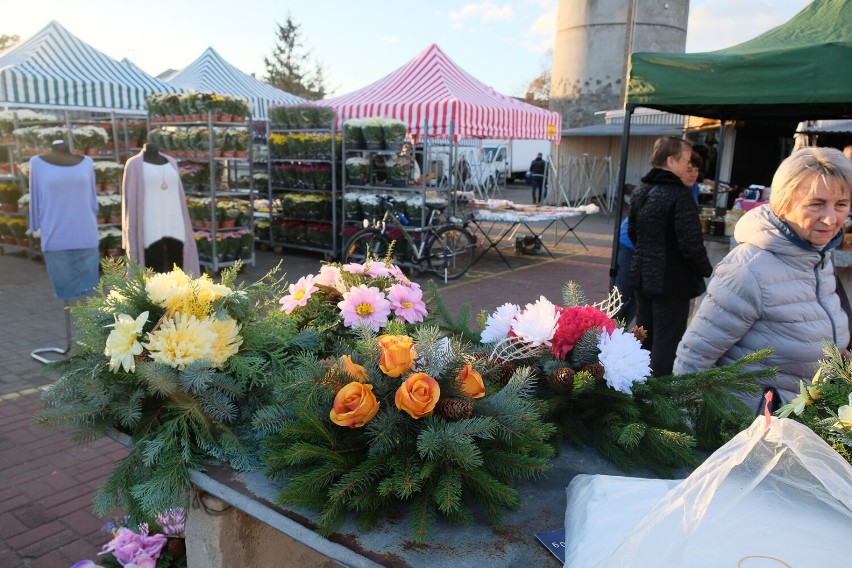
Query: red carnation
[{"x": 573, "y": 323}]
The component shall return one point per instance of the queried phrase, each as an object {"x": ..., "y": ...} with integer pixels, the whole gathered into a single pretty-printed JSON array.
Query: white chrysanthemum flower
[
  {"x": 844, "y": 415},
  {"x": 623, "y": 359},
  {"x": 498, "y": 324},
  {"x": 122, "y": 344},
  {"x": 536, "y": 323}
]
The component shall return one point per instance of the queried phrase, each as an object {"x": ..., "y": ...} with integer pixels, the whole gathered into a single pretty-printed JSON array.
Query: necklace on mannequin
[{"x": 164, "y": 186}]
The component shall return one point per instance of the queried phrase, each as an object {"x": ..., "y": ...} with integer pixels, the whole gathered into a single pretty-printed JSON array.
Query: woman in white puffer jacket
[{"x": 777, "y": 287}]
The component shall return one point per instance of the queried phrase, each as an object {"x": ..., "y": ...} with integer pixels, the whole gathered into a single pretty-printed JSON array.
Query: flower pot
[
  {"x": 228, "y": 223},
  {"x": 102, "y": 220},
  {"x": 114, "y": 219},
  {"x": 10, "y": 207},
  {"x": 22, "y": 242}
]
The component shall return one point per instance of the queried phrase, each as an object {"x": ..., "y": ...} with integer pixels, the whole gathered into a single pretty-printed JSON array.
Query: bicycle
[{"x": 446, "y": 249}]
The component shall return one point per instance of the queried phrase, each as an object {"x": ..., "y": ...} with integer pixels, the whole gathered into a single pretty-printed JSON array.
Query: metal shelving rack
[{"x": 276, "y": 190}]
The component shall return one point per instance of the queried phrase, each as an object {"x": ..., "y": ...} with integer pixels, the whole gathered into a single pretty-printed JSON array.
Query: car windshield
[{"x": 487, "y": 155}]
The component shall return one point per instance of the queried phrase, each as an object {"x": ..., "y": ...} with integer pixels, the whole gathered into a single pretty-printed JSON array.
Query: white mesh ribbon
[
  {"x": 611, "y": 305},
  {"x": 511, "y": 348}
]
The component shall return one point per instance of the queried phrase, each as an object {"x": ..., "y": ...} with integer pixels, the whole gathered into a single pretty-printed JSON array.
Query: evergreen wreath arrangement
[
  {"x": 596, "y": 381},
  {"x": 825, "y": 405},
  {"x": 396, "y": 412},
  {"x": 177, "y": 364}
]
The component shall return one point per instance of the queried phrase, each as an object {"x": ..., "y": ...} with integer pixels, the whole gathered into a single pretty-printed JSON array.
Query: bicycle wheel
[
  {"x": 450, "y": 250},
  {"x": 366, "y": 243}
]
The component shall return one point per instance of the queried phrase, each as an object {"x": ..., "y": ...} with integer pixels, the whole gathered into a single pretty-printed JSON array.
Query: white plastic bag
[{"x": 777, "y": 496}]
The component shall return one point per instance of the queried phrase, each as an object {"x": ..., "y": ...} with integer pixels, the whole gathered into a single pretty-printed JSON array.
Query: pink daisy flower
[
  {"x": 397, "y": 273},
  {"x": 376, "y": 269},
  {"x": 364, "y": 305},
  {"x": 407, "y": 303},
  {"x": 354, "y": 268},
  {"x": 300, "y": 293},
  {"x": 330, "y": 276}
]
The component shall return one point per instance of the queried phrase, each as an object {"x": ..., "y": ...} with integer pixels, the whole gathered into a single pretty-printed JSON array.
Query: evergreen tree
[{"x": 291, "y": 68}]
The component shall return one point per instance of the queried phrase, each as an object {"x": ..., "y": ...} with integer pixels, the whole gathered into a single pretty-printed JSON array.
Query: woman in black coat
[{"x": 670, "y": 262}]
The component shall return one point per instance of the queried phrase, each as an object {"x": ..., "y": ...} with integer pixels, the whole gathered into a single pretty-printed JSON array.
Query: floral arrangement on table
[
  {"x": 300, "y": 117},
  {"x": 89, "y": 139},
  {"x": 396, "y": 411},
  {"x": 598, "y": 384},
  {"x": 108, "y": 175},
  {"x": 178, "y": 364},
  {"x": 157, "y": 545},
  {"x": 357, "y": 170},
  {"x": 825, "y": 405}
]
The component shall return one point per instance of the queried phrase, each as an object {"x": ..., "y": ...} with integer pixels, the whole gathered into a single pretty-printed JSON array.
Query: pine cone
[
  {"x": 597, "y": 371},
  {"x": 639, "y": 332},
  {"x": 562, "y": 380},
  {"x": 503, "y": 371},
  {"x": 454, "y": 408}
]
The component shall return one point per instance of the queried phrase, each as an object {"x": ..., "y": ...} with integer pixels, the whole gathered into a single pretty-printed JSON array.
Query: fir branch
[
  {"x": 573, "y": 295},
  {"x": 439, "y": 314},
  {"x": 586, "y": 351},
  {"x": 422, "y": 514},
  {"x": 448, "y": 493}
]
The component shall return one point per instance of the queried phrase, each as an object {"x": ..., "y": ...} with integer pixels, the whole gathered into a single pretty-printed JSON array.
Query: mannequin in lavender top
[{"x": 164, "y": 253}]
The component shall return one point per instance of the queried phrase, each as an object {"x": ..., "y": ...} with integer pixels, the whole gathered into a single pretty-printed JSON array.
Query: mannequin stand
[{"x": 36, "y": 354}]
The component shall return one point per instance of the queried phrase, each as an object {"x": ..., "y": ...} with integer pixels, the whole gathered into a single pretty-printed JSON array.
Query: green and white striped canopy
[
  {"x": 55, "y": 69},
  {"x": 210, "y": 73}
]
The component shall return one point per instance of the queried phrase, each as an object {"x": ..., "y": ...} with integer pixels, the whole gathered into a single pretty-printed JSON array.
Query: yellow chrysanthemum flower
[
  {"x": 181, "y": 340},
  {"x": 169, "y": 289},
  {"x": 122, "y": 344},
  {"x": 210, "y": 291},
  {"x": 227, "y": 340}
]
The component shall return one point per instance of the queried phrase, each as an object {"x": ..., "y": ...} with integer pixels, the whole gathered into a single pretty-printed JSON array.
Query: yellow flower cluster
[{"x": 188, "y": 331}]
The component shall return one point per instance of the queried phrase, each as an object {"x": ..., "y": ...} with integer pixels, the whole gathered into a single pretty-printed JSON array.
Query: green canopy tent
[{"x": 801, "y": 70}]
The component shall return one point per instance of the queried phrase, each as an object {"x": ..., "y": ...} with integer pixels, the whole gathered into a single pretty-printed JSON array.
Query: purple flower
[
  {"x": 86, "y": 564},
  {"x": 300, "y": 293},
  {"x": 364, "y": 305},
  {"x": 407, "y": 303},
  {"x": 129, "y": 547}
]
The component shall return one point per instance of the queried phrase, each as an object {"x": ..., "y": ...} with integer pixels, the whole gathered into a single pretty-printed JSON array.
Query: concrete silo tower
[{"x": 594, "y": 39}]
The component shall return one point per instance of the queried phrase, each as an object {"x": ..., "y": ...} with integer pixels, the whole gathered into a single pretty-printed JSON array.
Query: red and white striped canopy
[{"x": 432, "y": 90}]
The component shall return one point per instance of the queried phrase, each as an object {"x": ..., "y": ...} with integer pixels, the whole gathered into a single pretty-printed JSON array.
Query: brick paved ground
[{"x": 46, "y": 484}]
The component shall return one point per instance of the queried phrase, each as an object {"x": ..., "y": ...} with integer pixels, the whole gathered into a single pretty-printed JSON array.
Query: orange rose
[
  {"x": 354, "y": 405},
  {"x": 354, "y": 370},
  {"x": 471, "y": 382},
  {"x": 397, "y": 354},
  {"x": 418, "y": 395}
]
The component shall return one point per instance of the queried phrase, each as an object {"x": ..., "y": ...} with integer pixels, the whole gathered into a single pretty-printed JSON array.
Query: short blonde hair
[{"x": 808, "y": 163}]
